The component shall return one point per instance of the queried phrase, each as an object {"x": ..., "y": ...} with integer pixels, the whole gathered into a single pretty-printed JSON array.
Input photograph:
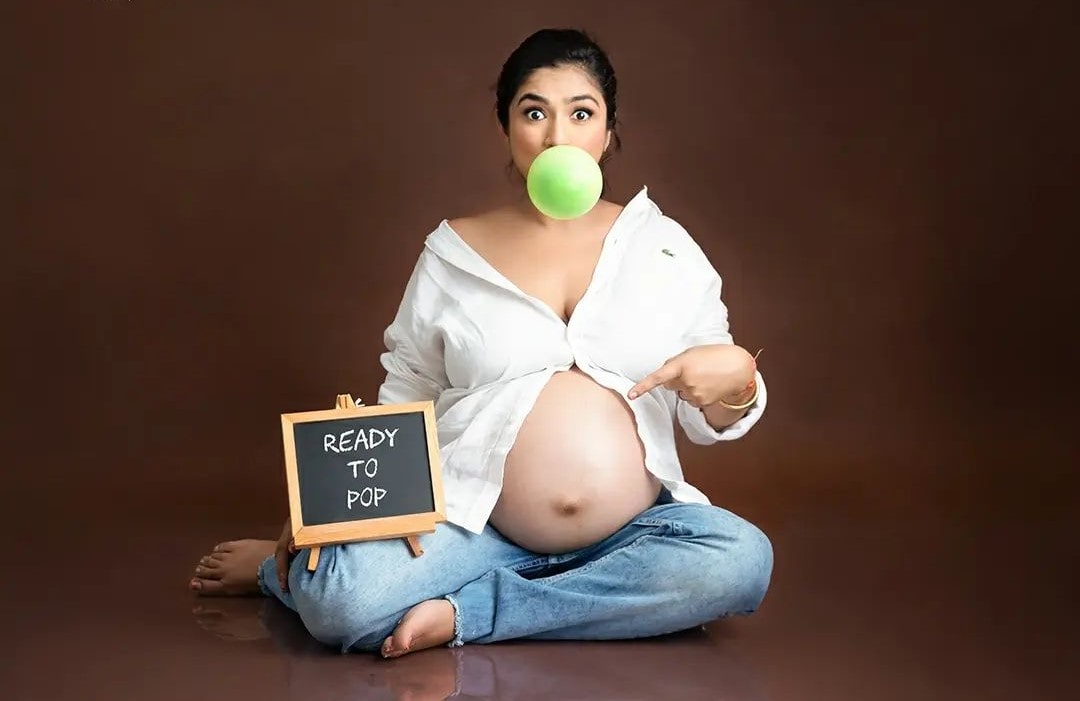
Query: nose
[{"x": 557, "y": 132}]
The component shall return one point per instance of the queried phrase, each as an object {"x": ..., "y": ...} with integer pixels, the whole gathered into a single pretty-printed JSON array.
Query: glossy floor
[{"x": 872, "y": 598}]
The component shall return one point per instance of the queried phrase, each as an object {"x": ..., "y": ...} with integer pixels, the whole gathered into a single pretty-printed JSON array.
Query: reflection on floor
[{"x": 905, "y": 603}]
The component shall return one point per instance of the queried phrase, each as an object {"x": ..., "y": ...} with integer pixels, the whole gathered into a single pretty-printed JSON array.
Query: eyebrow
[{"x": 538, "y": 98}]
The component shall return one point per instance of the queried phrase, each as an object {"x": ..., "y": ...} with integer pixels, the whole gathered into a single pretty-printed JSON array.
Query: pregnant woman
[{"x": 561, "y": 357}]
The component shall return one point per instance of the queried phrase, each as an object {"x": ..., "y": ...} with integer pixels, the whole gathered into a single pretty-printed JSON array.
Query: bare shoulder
[{"x": 476, "y": 227}]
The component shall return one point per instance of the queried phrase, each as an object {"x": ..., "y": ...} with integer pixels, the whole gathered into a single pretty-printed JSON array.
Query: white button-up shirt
[{"x": 469, "y": 339}]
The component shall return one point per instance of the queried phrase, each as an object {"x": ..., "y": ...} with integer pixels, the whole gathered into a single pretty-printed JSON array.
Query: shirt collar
[{"x": 448, "y": 245}]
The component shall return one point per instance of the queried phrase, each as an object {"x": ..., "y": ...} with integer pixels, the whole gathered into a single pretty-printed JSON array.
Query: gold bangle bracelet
[{"x": 744, "y": 405}]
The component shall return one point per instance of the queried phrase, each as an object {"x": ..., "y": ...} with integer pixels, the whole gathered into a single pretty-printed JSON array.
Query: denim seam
[
  {"x": 530, "y": 563},
  {"x": 652, "y": 522},
  {"x": 677, "y": 527}
]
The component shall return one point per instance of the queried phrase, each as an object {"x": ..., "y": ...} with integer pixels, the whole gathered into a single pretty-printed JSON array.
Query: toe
[
  {"x": 208, "y": 572},
  {"x": 207, "y": 587},
  {"x": 227, "y": 546},
  {"x": 394, "y": 645}
]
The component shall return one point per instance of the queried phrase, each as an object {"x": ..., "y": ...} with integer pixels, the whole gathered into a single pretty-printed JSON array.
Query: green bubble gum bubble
[{"x": 564, "y": 182}]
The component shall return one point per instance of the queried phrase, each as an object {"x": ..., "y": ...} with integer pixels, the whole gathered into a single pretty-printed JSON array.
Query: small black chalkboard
[{"x": 362, "y": 473}]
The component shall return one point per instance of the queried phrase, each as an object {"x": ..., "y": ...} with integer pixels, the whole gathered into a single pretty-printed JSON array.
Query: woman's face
[{"x": 556, "y": 106}]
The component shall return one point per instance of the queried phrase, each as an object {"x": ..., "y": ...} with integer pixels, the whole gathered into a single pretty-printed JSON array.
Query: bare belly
[{"x": 576, "y": 473}]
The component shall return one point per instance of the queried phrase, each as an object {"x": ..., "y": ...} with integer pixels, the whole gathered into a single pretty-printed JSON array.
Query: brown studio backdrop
[{"x": 214, "y": 211}]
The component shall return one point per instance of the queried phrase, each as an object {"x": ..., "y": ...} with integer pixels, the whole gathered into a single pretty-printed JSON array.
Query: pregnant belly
[{"x": 576, "y": 472}]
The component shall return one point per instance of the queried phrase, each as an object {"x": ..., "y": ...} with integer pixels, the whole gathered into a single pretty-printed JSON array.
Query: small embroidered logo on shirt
[{"x": 666, "y": 252}]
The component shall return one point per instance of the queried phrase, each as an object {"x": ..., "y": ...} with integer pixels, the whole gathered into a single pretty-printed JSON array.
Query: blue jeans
[{"x": 675, "y": 566}]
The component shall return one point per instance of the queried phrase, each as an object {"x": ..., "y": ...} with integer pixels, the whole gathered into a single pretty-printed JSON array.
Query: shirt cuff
[{"x": 697, "y": 426}]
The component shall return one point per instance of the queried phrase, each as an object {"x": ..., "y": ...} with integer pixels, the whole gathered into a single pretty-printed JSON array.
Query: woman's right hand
[{"x": 283, "y": 555}]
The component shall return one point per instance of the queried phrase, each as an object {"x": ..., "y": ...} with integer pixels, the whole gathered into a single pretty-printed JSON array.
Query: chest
[
  {"x": 556, "y": 272},
  {"x": 635, "y": 317}
]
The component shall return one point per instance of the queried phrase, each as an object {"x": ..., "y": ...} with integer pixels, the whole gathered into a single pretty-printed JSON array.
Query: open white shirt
[{"x": 469, "y": 339}]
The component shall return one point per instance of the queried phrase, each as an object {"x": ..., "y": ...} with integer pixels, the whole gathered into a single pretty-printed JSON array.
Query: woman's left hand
[{"x": 703, "y": 375}]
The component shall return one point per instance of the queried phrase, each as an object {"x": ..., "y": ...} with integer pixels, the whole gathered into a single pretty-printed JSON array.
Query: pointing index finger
[{"x": 666, "y": 373}]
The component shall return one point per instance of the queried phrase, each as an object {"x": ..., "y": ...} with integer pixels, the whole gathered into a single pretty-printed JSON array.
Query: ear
[{"x": 607, "y": 140}]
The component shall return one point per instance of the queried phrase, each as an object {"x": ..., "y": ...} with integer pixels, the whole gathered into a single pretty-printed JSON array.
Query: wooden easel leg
[
  {"x": 345, "y": 401},
  {"x": 414, "y": 545},
  {"x": 313, "y": 558}
]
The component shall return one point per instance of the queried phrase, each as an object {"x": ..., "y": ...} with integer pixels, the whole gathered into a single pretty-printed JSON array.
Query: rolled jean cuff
[
  {"x": 268, "y": 564},
  {"x": 457, "y": 641}
]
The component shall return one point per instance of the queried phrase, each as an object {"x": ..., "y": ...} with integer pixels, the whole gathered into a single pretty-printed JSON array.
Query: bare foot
[
  {"x": 232, "y": 569},
  {"x": 427, "y": 624}
]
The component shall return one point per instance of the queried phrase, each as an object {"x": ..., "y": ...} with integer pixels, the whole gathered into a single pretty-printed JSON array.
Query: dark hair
[{"x": 550, "y": 48}]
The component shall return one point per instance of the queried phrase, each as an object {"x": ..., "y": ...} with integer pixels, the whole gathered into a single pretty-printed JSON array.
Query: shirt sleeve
[
  {"x": 413, "y": 360},
  {"x": 710, "y": 325}
]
